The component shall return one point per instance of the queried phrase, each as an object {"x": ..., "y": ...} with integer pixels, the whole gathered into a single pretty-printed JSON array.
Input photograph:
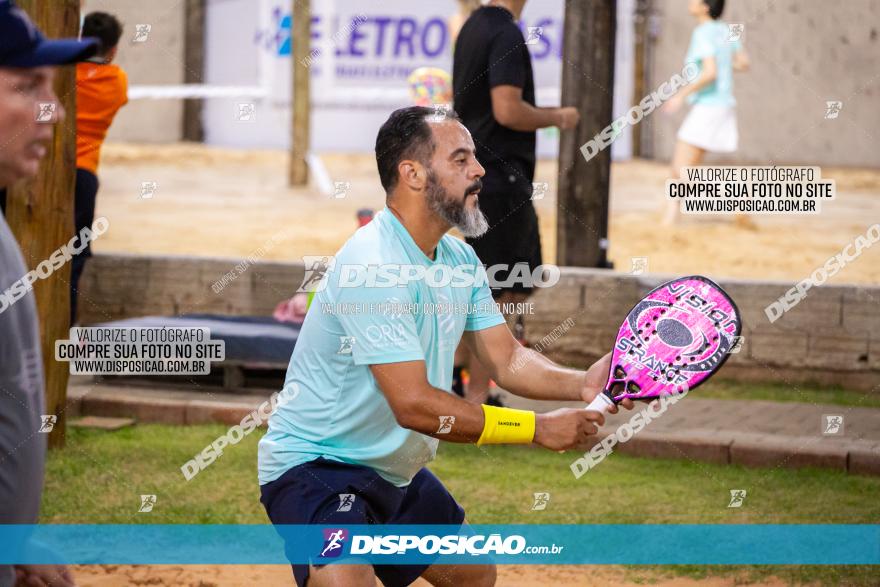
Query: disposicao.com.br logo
[
  {"x": 451, "y": 544},
  {"x": 321, "y": 270}
]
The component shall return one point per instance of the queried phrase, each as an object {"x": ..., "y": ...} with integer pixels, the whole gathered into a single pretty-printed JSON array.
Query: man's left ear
[{"x": 413, "y": 174}]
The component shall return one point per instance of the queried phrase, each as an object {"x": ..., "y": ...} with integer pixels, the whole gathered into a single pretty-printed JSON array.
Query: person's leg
[
  {"x": 311, "y": 493},
  {"x": 685, "y": 155},
  {"x": 341, "y": 574},
  {"x": 85, "y": 195},
  {"x": 77, "y": 264},
  {"x": 426, "y": 502},
  {"x": 454, "y": 575}
]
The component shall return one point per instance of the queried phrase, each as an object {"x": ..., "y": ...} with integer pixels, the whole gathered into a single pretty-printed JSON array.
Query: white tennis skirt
[{"x": 712, "y": 128}]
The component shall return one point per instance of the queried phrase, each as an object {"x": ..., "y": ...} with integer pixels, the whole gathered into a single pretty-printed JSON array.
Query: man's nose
[{"x": 478, "y": 171}]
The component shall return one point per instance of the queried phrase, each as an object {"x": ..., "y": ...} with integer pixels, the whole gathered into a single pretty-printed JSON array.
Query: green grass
[
  {"x": 779, "y": 392},
  {"x": 99, "y": 477}
]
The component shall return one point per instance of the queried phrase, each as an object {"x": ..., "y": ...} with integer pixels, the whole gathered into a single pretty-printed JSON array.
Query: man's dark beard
[{"x": 471, "y": 223}]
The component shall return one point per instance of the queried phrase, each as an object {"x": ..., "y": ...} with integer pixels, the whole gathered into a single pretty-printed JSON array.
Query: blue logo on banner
[
  {"x": 334, "y": 540},
  {"x": 276, "y": 37}
]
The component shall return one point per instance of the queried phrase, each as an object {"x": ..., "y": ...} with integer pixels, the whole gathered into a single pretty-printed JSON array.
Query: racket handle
[{"x": 600, "y": 404}]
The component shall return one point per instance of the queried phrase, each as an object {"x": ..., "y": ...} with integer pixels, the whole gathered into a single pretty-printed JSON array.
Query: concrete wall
[
  {"x": 830, "y": 337},
  {"x": 803, "y": 53},
  {"x": 159, "y": 60}
]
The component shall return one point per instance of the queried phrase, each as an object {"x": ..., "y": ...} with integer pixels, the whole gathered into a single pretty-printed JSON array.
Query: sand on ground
[
  {"x": 236, "y": 203},
  {"x": 280, "y": 575}
]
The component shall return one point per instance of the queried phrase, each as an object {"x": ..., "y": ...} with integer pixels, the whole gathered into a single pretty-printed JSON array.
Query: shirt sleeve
[
  {"x": 702, "y": 45},
  {"x": 484, "y": 311},
  {"x": 123, "y": 86},
  {"x": 380, "y": 322},
  {"x": 505, "y": 64}
]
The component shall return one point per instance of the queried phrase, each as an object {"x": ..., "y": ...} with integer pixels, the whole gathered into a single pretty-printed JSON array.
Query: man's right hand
[
  {"x": 567, "y": 117},
  {"x": 566, "y": 428}
]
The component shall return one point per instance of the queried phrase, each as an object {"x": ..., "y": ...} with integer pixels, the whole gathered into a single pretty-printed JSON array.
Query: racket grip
[{"x": 600, "y": 403}]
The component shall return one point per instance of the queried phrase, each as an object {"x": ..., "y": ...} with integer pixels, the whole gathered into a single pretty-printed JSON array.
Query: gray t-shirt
[{"x": 22, "y": 446}]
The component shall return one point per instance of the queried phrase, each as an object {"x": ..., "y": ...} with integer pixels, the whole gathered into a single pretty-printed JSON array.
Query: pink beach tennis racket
[{"x": 671, "y": 342}]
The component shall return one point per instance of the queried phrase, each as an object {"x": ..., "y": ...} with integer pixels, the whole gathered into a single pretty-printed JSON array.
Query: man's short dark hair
[
  {"x": 716, "y": 7},
  {"x": 405, "y": 135},
  {"x": 105, "y": 27}
]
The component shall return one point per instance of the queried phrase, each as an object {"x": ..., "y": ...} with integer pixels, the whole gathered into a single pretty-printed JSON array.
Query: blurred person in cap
[
  {"x": 27, "y": 72},
  {"x": 101, "y": 90}
]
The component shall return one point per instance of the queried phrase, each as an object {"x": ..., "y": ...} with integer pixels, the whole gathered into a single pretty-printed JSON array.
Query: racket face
[{"x": 673, "y": 340}]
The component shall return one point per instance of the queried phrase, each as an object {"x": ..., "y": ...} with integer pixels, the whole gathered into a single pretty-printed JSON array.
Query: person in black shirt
[{"x": 494, "y": 95}]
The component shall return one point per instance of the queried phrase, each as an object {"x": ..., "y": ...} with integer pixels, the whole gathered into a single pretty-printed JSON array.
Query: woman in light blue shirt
[{"x": 710, "y": 125}]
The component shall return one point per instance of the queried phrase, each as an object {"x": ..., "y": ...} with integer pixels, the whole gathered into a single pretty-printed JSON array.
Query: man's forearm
[
  {"x": 436, "y": 413},
  {"x": 528, "y": 118},
  {"x": 530, "y": 374}
]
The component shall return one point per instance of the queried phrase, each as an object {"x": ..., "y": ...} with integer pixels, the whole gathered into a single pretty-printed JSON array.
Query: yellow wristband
[{"x": 507, "y": 426}]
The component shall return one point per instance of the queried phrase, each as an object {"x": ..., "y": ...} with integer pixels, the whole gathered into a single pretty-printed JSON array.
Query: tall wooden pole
[
  {"x": 300, "y": 107},
  {"x": 40, "y": 211},
  {"x": 587, "y": 84},
  {"x": 639, "y": 85},
  {"x": 194, "y": 68}
]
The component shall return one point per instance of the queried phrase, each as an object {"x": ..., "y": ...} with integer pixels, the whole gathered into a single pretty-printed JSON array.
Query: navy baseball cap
[{"x": 23, "y": 45}]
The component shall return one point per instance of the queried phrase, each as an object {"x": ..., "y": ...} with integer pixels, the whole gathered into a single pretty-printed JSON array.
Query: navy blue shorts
[{"x": 311, "y": 494}]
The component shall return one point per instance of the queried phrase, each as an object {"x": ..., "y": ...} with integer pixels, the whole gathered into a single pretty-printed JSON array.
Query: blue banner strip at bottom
[{"x": 727, "y": 544}]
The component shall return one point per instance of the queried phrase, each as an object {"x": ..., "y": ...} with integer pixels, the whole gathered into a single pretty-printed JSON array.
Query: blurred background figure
[
  {"x": 457, "y": 20},
  {"x": 494, "y": 92},
  {"x": 101, "y": 90},
  {"x": 717, "y": 50}
]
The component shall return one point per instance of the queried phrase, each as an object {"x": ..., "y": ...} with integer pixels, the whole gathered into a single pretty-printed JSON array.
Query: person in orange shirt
[{"x": 101, "y": 90}]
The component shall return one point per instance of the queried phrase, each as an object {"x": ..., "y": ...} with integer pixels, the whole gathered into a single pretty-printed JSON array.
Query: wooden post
[
  {"x": 194, "y": 68},
  {"x": 587, "y": 84},
  {"x": 641, "y": 33},
  {"x": 40, "y": 211},
  {"x": 300, "y": 103}
]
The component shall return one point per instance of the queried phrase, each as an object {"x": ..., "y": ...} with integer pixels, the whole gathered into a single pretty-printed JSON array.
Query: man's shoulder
[
  {"x": 370, "y": 244},
  {"x": 459, "y": 249},
  {"x": 708, "y": 29},
  {"x": 89, "y": 72},
  {"x": 12, "y": 267}
]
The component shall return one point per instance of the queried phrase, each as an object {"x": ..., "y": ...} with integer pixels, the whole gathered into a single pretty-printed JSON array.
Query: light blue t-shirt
[
  {"x": 713, "y": 39},
  {"x": 362, "y": 315}
]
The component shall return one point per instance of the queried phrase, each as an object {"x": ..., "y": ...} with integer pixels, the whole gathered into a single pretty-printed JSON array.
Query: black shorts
[
  {"x": 312, "y": 493},
  {"x": 513, "y": 237}
]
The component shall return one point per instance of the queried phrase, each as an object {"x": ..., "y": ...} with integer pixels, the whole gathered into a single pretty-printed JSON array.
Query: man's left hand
[{"x": 594, "y": 383}]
